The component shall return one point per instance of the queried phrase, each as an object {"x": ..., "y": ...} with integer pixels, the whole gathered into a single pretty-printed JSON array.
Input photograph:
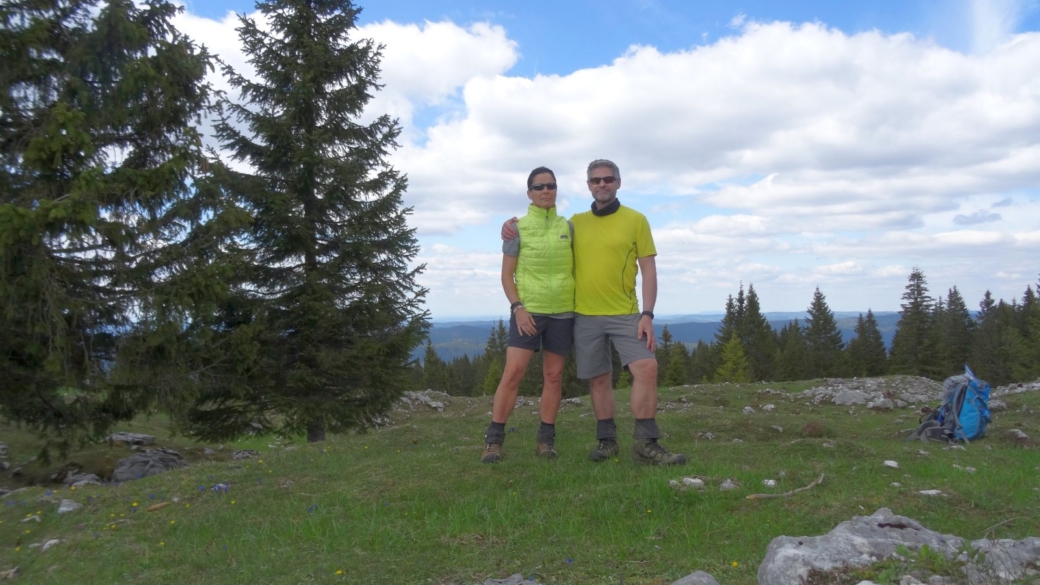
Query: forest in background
[{"x": 934, "y": 337}]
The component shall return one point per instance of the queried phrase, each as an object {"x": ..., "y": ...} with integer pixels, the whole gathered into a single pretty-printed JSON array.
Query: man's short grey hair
[{"x": 603, "y": 163}]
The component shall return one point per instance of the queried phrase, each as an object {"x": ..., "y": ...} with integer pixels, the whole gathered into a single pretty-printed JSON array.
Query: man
[{"x": 611, "y": 244}]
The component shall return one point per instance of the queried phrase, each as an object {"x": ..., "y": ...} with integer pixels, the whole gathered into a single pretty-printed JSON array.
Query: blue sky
[{"x": 789, "y": 145}]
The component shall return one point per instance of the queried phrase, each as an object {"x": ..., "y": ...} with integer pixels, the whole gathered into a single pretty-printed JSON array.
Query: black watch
[
  {"x": 648, "y": 314},
  {"x": 515, "y": 306}
]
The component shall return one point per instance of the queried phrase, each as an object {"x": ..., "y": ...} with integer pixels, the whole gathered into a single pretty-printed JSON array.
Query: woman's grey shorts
[
  {"x": 592, "y": 351},
  {"x": 555, "y": 335}
]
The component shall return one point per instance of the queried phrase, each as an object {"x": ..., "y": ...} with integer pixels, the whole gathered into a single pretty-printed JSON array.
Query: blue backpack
[{"x": 963, "y": 414}]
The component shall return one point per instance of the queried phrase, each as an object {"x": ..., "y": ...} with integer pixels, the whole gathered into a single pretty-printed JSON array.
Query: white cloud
[{"x": 784, "y": 155}]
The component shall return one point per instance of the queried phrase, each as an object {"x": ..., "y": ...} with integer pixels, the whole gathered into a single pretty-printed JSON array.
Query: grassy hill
[{"x": 410, "y": 503}]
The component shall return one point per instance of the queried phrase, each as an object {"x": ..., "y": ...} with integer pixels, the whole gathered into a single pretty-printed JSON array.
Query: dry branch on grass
[{"x": 818, "y": 481}]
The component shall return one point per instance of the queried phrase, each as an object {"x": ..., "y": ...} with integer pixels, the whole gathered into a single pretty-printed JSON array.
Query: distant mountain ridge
[{"x": 452, "y": 339}]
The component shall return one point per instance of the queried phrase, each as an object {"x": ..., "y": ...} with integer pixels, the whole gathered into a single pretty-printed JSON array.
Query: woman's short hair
[{"x": 536, "y": 172}]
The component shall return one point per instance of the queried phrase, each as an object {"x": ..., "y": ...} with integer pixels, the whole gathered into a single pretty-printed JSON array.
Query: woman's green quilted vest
[{"x": 545, "y": 268}]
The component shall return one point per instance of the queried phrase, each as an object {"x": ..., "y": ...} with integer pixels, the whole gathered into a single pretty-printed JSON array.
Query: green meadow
[{"x": 410, "y": 502}]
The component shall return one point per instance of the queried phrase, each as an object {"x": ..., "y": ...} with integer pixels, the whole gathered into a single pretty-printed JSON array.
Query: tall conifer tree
[
  {"x": 957, "y": 329},
  {"x": 822, "y": 338},
  {"x": 334, "y": 306},
  {"x": 866, "y": 351},
  {"x": 913, "y": 346},
  {"x": 97, "y": 135},
  {"x": 759, "y": 338}
]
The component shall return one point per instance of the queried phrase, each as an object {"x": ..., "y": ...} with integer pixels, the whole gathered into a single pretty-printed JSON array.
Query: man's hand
[
  {"x": 509, "y": 231},
  {"x": 525, "y": 322},
  {"x": 646, "y": 328}
]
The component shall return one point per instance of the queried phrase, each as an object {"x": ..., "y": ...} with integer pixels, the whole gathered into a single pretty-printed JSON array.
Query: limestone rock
[
  {"x": 148, "y": 462},
  {"x": 131, "y": 438},
  {"x": 849, "y": 397},
  {"x": 698, "y": 578},
  {"x": 81, "y": 479},
  {"x": 412, "y": 400},
  {"x": 859, "y": 542},
  {"x": 67, "y": 506}
]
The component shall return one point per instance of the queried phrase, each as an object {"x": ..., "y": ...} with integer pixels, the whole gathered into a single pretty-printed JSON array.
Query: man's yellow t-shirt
[{"x": 605, "y": 251}]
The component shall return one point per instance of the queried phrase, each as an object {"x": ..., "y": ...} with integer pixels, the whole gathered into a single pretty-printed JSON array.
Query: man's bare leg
[{"x": 644, "y": 388}]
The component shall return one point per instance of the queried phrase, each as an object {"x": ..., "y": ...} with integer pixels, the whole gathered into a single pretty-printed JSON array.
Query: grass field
[{"x": 411, "y": 503}]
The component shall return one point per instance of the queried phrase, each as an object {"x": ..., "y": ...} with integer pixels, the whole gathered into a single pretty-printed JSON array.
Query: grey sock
[
  {"x": 606, "y": 429},
  {"x": 496, "y": 433},
  {"x": 646, "y": 429},
  {"x": 547, "y": 433}
]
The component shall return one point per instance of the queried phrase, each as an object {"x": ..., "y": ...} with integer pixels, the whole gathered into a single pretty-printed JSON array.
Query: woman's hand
[{"x": 525, "y": 322}]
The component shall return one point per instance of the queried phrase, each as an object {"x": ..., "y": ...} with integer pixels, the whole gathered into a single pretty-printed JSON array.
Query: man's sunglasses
[
  {"x": 540, "y": 186},
  {"x": 598, "y": 180}
]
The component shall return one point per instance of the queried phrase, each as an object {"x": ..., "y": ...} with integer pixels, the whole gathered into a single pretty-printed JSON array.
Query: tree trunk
[{"x": 315, "y": 431}]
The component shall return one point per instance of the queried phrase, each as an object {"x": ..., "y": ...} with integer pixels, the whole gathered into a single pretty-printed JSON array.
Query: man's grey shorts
[
  {"x": 553, "y": 335},
  {"x": 591, "y": 347}
]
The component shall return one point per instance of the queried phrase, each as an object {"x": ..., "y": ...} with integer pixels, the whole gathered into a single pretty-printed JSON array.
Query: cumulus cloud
[{"x": 782, "y": 155}]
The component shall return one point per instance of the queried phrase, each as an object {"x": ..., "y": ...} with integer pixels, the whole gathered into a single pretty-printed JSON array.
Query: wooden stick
[{"x": 818, "y": 481}]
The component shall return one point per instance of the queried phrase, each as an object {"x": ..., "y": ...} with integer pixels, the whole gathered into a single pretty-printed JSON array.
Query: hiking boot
[
  {"x": 492, "y": 453},
  {"x": 652, "y": 453},
  {"x": 545, "y": 451},
  {"x": 607, "y": 449}
]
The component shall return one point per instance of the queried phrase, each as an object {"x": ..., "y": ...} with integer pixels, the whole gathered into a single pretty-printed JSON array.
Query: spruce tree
[
  {"x": 664, "y": 351},
  {"x": 759, "y": 338},
  {"x": 913, "y": 346},
  {"x": 734, "y": 366},
  {"x": 98, "y": 111},
  {"x": 999, "y": 352},
  {"x": 701, "y": 365},
  {"x": 793, "y": 357},
  {"x": 822, "y": 338},
  {"x": 866, "y": 352},
  {"x": 1028, "y": 322},
  {"x": 957, "y": 329},
  {"x": 675, "y": 372},
  {"x": 334, "y": 306}
]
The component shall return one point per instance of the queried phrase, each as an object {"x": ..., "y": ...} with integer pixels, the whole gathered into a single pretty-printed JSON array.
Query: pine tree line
[{"x": 934, "y": 338}]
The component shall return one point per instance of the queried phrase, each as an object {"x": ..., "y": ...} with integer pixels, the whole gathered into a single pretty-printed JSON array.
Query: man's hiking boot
[
  {"x": 652, "y": 453},
  {"x": 545, "y": 451},
  {"x": 492, "y": 453},
  {"x": 607, "y": 449}
]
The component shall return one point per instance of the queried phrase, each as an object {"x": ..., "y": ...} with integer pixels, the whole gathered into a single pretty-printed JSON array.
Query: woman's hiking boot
[
  {"x": 607, "y": 449},
  {"x": 650, "y": 452},
  {"x": 545, "y": 451},
  {"x": 492, "y": 453}
]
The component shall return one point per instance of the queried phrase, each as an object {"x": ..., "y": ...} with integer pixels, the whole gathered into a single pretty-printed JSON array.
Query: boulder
[
  {"x": 131, "y": 438},
  {"x": 244, "y": 454},
  {"x": 148, "y": 462},
  {"x": 866, "y": 540},
  {"x": 80, "y": 479},
  {"x": 859, "y": 542}
]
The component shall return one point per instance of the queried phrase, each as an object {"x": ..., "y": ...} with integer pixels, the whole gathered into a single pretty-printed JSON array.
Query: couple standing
[{"x": 573, "y": 283}]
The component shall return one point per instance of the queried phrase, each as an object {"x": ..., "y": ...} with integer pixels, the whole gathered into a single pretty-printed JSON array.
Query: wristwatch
[
  {"x": 648, "y": 314},
  {"x": 515, "y": 306}
]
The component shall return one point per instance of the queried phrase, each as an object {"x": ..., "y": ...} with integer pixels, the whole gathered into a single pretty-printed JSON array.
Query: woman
[{"x": 538, "y": 279}]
